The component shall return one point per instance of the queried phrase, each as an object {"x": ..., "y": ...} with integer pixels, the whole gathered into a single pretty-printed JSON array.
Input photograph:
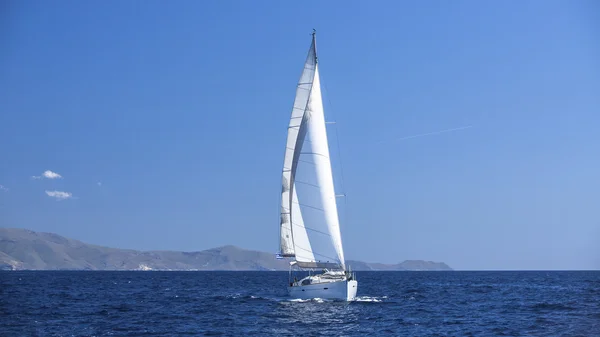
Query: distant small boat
[{"x": 309, "y": 228}]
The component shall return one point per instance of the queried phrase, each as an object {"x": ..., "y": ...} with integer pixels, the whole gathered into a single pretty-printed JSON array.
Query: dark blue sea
[{"x": 255, "y": 304}]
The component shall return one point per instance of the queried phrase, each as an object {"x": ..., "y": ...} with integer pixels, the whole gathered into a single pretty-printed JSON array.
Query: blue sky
[{"x": 179, "y": 110}]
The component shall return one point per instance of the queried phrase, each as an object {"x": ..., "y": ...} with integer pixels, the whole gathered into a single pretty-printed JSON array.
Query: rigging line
[
  {"x": 301, "y": 256},
  {"x": 310, "y": 251},
  {"x": 306, "y": 161},
  {"x": 316, "y": 154},
  {"x": 337, "y": 140},
  {"x": 313, "y": 207},
  {"x": 312, "y": 229},
  {"x": 307, "y": 183}
]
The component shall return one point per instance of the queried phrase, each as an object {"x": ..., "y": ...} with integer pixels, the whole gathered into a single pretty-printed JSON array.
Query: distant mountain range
[{"x": 22, "y": 249}]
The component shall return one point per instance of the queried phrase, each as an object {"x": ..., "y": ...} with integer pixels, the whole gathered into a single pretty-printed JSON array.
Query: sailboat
[{"x": 309, "y": 224}]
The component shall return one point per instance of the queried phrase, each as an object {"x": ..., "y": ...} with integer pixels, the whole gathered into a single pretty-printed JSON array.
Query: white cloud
[
  {"x": 51, "y": 175},
  {"x": 59, "y": 195},
  {"x": 48, "y": 174},
  {"x": 3, "y": 188}
]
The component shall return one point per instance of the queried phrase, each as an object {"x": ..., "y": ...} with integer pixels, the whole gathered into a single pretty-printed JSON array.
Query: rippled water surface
[{"x": 255, "y": 304}]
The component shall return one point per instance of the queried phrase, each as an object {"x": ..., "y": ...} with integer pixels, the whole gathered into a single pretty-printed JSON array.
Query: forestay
[{"x": 309, "y": 230}]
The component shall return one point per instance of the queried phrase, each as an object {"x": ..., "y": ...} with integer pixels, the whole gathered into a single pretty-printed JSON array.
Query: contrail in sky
[{"x": 426, "y": 134}]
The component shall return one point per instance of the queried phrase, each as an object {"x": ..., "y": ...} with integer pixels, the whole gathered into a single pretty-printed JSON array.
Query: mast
[{"x": 314, "y": 43}]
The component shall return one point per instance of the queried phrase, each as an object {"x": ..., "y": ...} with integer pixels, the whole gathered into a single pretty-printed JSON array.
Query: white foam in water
[
  {"x": 320, "y": 300},
  {"x": 276, "y": 299},
  {"x": 369, "y": 299},
  {"x": 357, "y": 299},
  {"x": 299, "y": 300},
  {"x": 316, "y": 299}
]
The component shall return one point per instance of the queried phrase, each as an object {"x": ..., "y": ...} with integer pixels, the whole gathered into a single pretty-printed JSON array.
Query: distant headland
[{"x": 22, "y": 249}]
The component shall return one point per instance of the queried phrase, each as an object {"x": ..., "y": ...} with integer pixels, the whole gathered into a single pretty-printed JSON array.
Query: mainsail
[{"x": 310, "y": 231}]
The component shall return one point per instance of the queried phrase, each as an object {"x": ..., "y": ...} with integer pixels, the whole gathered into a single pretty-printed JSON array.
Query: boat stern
[{"x": 352, "y": 288}]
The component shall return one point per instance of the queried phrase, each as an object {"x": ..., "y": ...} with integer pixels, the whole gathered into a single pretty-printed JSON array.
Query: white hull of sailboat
[{"x": 344, "y": 290}]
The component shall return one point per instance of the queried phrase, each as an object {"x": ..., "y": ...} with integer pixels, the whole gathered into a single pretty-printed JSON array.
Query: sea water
[{"x": 151, "y": 303}]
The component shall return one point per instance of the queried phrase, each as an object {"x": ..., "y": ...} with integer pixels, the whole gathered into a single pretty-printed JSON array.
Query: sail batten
[{"x": 309, "y": 226}]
